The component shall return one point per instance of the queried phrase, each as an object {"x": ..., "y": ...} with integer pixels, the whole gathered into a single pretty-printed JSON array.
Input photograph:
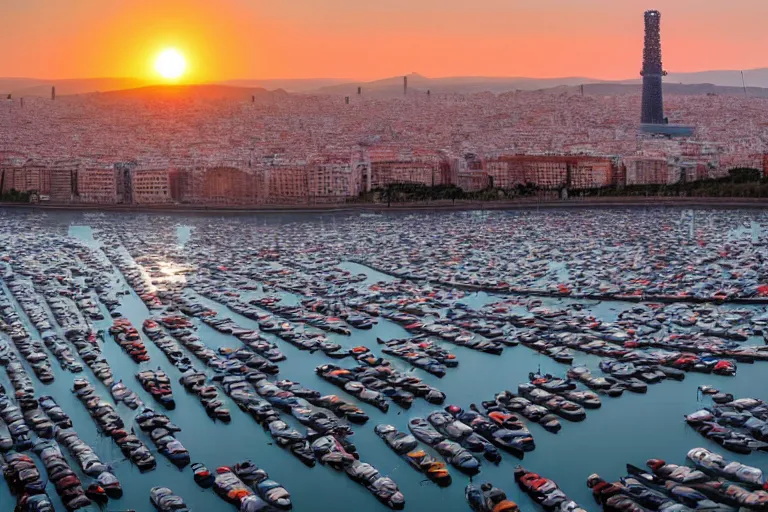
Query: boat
[
  {"x": 121, "y": 393},
  {"x": 22, "y": 475},
  {"x": 6, "y": 441},
  {"x": 274, "y": 494},
  {"x": 384, "y": 488},
  {"x": 229, "y": 487},
  {"x": 110, "y": 484},
  {"x": 463, "y": 434},
  {"x": 126, "y": 335},
  {"x": 715, "y": 464},
  {"x": 254, "y": 503},
  {"x": 567, "y": 390},
  {"x": 599, "y": 384},
  {"x": 111, "y": 424},
  {"x": 54, "y": 412},
  {"x": 421, "y": 353},
  {"x": 630, "y": 494},
  {"x": 68, "y": 485},
  {"x": 406, "y": 447},
  {"x": 508, "y": 401},
  {"x": 346, "y": 380},
  {"x": 269, "y": 491},
  {"x": 456, "y": 455},
  {"x": 705, "y": 423},
  {"x": 557, "y": 404},
  {"x": 682, "y": 493},
  {"x": 162, "y": 432},
  {"x": 504, "y": 430},
  {"x": 720, "y": 491},
  {"x": 487, "y": 498},
  {"x": 157, "y": 384},
  {"x": 544, "y": 491},
  {"x": 329, "y": 450},
  {"x": 293, "y": 440},
  {"x": 97, "y": 494},
  {"x": 163, "y": 499}
]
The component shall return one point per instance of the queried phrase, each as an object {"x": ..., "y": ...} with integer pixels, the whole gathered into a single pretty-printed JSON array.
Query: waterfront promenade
[{"x": 445, "y": 205}]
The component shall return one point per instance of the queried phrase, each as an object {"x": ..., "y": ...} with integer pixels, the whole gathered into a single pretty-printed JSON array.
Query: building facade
[
  {"x": 595, "y": 173},
  {"x": 549, "y": 172},
  {"x": 472, "y": 180},
  {"x": 333, "y": 181},
  {"x": 150, "y": 186},
  {"x": 231, "y": 186},
  {"x": 26, "y": 176},
  {"x": 384, "y": 173},
  {"x": 647, "y": 170},
  {"x": 287, "y": 183},
  {"x": 96, "y": 185},
  {"x": 63, "y": 176}
]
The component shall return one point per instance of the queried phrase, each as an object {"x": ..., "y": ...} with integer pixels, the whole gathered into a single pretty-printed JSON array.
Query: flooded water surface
[{"x": 248, "y": 301}]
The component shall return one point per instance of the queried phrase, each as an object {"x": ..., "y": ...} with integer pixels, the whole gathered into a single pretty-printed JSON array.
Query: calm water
[{"x": 630, "y": 429}]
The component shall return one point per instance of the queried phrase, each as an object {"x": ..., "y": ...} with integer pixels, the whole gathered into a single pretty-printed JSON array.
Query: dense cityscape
[
  {"x": 298, "y": 149},
  {"x": 417, "y": 293}
]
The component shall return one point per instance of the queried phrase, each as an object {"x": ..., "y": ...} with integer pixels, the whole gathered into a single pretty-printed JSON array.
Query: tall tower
[
  {"x": 653, "y": 103},
  {"x": 53, "y": 92},
  {"x": 405, "y": 85}
]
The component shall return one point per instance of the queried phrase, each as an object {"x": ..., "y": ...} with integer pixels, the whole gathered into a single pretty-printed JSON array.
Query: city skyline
[
  {"x": 350, "y": 255},
  {"x": 240, "y": 147},
  {"x": 342, "y": 39}
]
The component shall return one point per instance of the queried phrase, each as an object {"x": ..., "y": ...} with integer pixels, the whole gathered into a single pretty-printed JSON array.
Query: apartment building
[
  {"x": 332, "y": 181},
  {"x": 63, "y": 177},
  {"x": 549, "y": 171},
  {"x": 470, "y": 180},
  {"x": 647, "y": 170},
  {"x": 287, "y": 183},
  {"x": 591, "y": 173},
  {"x": 384, "y": 173},
  {"x": 150, "y": 186},
  {"x": 97, "y": 185}
]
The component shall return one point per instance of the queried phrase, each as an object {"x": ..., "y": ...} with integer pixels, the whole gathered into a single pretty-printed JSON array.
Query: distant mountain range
[
  {"x": 40, "y": 87},
  {"x": 615, "y": 89},
  {"x": 702, "y": 82},
  {"x": 301, "y": 85},
  {"x": 715, "y": 82},
  {"x": 200, "y": 91},
  {"x": 752, "y": 78},
  {"x": 447, "y": 85}
]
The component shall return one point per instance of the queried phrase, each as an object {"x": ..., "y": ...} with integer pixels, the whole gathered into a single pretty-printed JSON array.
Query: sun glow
[{"x": 170, "y": 64}]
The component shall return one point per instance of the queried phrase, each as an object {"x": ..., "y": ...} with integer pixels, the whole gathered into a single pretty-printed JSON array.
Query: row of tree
[
  {"x": 14, "y": 196},
  {"x": 740, "y": 182},
  {"x": 417, "y": 192}
]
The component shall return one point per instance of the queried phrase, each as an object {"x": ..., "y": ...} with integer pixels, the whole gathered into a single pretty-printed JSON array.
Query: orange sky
[{"x": 363, "y": 39}]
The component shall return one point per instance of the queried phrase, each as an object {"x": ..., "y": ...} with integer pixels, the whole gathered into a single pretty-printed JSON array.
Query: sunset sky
[{"x": 364, "y": 39}]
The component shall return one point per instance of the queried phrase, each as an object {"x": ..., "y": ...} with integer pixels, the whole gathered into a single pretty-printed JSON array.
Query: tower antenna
[{"x": 743, "y": 84}]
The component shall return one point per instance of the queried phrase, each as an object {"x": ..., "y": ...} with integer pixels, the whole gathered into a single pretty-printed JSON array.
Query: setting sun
[{"x": 170, "y": 64}]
